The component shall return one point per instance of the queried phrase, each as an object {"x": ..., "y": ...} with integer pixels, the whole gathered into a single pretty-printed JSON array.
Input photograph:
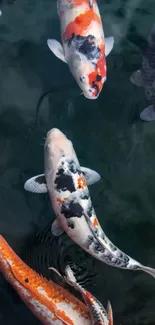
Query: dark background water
[{"x": 107, "y": 134}]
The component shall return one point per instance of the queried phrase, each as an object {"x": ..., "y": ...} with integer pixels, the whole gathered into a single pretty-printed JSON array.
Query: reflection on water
[{"x": 107, "y": 134}]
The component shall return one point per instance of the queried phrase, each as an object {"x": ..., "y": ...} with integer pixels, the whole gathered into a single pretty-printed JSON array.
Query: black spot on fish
[
  {"x": 98, "y": 248},
  {"x": 73, "y": 167},
  {"x": 85, "y": 45},
  {"x": 71, "y": 209},
  {"x": 64, "y": 182},
  {"x": 89, "y": 241},
  {"x": 96, "y": 87},
  {"x": 85, "y": 197},
  {"x": 70, "y": 224},
  {"x": 40, "y": 180},
  {"x": 98, "y": 77},
  {"x": 26, "y": 280}
]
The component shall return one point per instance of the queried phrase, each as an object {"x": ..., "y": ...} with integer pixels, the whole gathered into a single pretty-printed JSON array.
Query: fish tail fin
[
  {"x": 110, "y": 313},
  {"x": 148, "y": 270}
]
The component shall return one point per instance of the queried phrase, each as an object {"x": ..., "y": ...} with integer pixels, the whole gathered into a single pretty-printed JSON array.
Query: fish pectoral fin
[
  {"x": 36, "y": 184},
  {"x": 56, "y": 228},
  {"x": 137, "y": 79},
  {"x": 109, "y": 43},
  {"x": 90, "y": 175},
  {"x": 57, "y": 49},
  {"x": 61, "y": 280},
  {"x": 110, "y": 313},
  {"x": 148, "y": 114}
]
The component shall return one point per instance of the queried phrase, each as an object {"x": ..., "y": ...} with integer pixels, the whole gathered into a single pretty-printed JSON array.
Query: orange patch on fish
[
  {"x": 61, "y": 201},
  {"x": 79, "y": 2},
  {"x": 95, "y": 222},
  {"x": 81, "y": 182},
  {"x": 100, "y": 70},
  {"x": 81, "y": 23}
]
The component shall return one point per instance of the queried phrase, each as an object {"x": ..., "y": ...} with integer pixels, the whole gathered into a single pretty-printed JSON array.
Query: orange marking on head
[
  {"x": 45, "y": 292},
  {"x": 100, "y": 70},
  {"x": 81, "y": 23},
  {"x": 95, "y": 222},
  {"x": 78, "y": 2},
  {"x": 81, "y": 183}
]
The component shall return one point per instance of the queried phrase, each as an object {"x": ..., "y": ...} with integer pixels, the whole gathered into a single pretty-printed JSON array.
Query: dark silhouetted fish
[{"x": 146, "y": 77}]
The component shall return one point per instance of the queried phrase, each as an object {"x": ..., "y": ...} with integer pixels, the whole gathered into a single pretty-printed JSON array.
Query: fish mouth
[{"x": 54, "y": 133}]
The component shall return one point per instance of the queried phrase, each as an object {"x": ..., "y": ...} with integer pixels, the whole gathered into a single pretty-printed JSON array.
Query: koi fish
[
  {"x": 84, "y": 47},
  {"x": 66, "y": 183},
  {"x": 38, "y": 256},
  {"x": 99, "y": 315},
  {"x": 146, "y": 77},
  {"x": 49, "y": 302}
]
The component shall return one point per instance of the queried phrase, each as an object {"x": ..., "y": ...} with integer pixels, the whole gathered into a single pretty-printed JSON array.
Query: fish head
[
  {"x": 57, "y": 146},
  {"x": 89, "y": 75}
]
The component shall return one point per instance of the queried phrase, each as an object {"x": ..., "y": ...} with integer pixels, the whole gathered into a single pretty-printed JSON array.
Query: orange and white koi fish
[
  {"x": 66, "y": 181},
  {"x": 84, "y": 47},
  {"x": 99, "y": 315},
  {"x": 50, "y": 303}
]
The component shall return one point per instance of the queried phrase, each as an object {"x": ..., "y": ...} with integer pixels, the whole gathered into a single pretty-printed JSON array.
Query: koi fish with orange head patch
[
  {"x": 66, "y": 181},
  {"x": 50, "y": 303},
  {"x": 84, "y": 47}
]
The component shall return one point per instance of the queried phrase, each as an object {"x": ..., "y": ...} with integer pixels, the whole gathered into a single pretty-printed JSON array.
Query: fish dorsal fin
[
  {"x": 110, "y": 313},
  {"x": 36, "y": 184},
  {"x": 109, "y": 43},
  {"x": 57, "y": 49},
  {"x": 137, "y": 79}
]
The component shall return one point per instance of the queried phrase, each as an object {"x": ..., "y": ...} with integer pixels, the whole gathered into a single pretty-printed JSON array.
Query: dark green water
[{"x": 107, "y": 134}]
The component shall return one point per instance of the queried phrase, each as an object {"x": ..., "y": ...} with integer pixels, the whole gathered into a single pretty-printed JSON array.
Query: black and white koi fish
[
  {"x": 146, "y": 77},
  {"x": 66, "y": 181}
]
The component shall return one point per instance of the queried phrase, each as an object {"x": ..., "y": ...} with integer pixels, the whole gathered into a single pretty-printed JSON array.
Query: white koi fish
[
  {"x": 66, "y": 181},
  {"x": 84, "y": 47}
]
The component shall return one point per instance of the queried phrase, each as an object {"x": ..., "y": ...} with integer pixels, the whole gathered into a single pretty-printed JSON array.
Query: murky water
[{"x": 108, "y": 136}]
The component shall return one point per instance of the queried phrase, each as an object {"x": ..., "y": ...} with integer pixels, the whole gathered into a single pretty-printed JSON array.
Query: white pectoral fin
[
  {"x": 90, "y": 175},
  {"x": 137, "y": 79},
  {"x": 57, "y": 49},
  {"x": 36, "y": 184},
  {"x": 56, "y": 228},
  {"x": 109, "y": 43}
]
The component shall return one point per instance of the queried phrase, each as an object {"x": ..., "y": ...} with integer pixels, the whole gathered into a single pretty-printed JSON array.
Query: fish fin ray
[
  {"x": 109, "y": 43},
  {"x": 36, "y": 184},
  {"x": 136, "y": 78},
  {"x": 57, "y": 49},
  {"x": 148, "y": 114},
  {"x": 90, "y": 175},
  {"x": 56, "y": 228}
]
